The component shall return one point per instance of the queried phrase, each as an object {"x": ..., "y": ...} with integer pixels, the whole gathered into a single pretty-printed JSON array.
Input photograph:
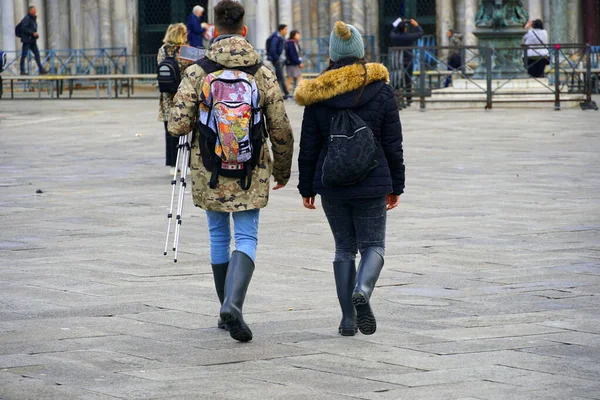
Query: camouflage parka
[
  {"x": 166, "y": 99},
  {"x": 235, "y": 51}
]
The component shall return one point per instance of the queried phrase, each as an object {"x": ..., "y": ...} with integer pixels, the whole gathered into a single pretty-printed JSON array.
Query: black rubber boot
[
  {"x": 369, "y": 269},
  {"x": 238, "y": 278},
  {"x": 345, "y": 274},
  {"x": 219, "y": 274}
]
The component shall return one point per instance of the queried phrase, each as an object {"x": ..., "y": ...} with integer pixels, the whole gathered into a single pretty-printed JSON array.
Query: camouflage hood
[{"x": 233, "y": 51}]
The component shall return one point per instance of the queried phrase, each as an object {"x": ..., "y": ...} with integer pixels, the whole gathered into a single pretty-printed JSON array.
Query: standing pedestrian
[
  {"x": 225, "y": 198},
  {"x": 27, "y": 30},
  {"x": 455, "y": 60},
  {"x": 294, "y": 63},
  {"x": 402, "y": 38},
  {"x": 194, "y": 27},
  {"x": 276, "y": 54},
  {"x": 175, "y": 37},
  {"x": 356, "y": 210}
]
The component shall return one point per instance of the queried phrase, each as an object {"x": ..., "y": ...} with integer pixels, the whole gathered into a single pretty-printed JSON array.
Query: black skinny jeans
[{"x": 357, "y": 225}]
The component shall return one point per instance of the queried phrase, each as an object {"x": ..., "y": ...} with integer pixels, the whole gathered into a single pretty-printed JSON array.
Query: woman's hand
[
  {"x": 392, "y": 201},
  {"x": 309, "y": 202}
]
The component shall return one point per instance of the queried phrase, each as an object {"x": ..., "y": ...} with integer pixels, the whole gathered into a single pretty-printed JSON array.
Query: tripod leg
[
  {"x": 174, "y": 185},
  {"x": 184, "y": 171}
]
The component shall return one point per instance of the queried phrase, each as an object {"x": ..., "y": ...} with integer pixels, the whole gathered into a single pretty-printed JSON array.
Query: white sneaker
[{"x": 172, "y": 171}]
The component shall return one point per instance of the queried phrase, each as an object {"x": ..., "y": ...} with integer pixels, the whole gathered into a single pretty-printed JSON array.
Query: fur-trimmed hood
[{"x": 339, "y": 82}]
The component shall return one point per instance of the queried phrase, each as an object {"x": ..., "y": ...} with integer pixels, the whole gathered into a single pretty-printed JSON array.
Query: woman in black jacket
[{"x": 356, "y": 213}]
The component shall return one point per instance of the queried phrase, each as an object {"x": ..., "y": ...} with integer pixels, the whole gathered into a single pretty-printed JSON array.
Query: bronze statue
[{"x": 501, "y": 13}]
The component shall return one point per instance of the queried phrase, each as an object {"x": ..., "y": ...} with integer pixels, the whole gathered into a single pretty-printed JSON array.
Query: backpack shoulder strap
[{"x": 209, "y": 66}]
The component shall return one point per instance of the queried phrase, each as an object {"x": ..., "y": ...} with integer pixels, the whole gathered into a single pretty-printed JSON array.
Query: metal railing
[
  {"x": 72, "y": 61},
  {"x": 489, "y": 76}
]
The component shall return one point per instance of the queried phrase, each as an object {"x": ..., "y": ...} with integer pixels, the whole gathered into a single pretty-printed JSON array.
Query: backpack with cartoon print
[{"x": 231, "y": 123}]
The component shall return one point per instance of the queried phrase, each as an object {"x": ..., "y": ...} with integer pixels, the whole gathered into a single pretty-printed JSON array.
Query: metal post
[
  {"x": 422, "y": 77},
  {"x": 557, "y": 77},
  {"x": 488, "y": 75},
  {"x": 588, "y": 104}
]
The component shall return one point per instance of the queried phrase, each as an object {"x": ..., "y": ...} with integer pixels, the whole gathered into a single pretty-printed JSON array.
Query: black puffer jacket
[{"x": 340, "y": 89}]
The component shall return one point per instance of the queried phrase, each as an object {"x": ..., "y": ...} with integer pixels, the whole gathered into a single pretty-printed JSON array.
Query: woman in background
[
  {"x": 175, "y": 37},
  {"x": 293, "y": 60}
]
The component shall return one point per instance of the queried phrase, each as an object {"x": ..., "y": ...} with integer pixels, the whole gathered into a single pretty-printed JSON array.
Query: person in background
[
  {"x": 536, "y": 41},
  {"x": 276, "y": 54},
  {"x": 455, "y": 60},
  {"x": 293, "y": 60},
  {"x": 175, "y": 37},
  {"x": 29, "y": 37},
  {"x": 402, "y": 38},
  {"x": 195, "y": 28},
  {"x": 357, "y": 212},
  {"x": 209, "y": 34}
]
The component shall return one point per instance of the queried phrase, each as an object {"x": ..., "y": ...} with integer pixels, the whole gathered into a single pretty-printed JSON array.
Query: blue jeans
[
  {"x": 246, "y": 234},
  {"x": 357, "y": 225}
]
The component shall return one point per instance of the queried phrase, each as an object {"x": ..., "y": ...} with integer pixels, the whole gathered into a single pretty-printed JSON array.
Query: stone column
[
  {"x": 285, "y": 13},
  {"x": 347, "y": 10},
  {"x": 335, "y": 12},
  {"x": 262, "y": 23},
  {"x": 304, "y": 29},
  {"x": 444, "y": 10},
  {"x": 358, "y": 16},
  {"x": 41, "y": 21},
  {"x": 314, "y": 19},
  {"x": 105, "y": 23},
  {"x": 91, "y": 24},
  {"x": 20, "y": 9},
  {"x": 53, "y": 23},
  {"x": 296, "y": 20},
  {"x": 574, "y": 21},
  {"x": 470, "y": 11},
  {"x": 560, "y": 31},
  {"x": 75, "y": 22},
  {"x": 590, "y": 23},
  {"x": 324, "y": 24},
  {"x": 7, "y": 23},
  {"x": 536, "y": 9},
  {"x": 65, "y": 28},
  {"x": 132, "y": 35},
  {"x": 372, "y": 21},
  {"x": 120, "y": 31},
  {"x": 547, "y": 20}
]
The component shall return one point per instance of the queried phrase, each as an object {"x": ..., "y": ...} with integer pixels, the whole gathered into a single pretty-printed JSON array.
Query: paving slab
[{"x": 490, "y": 290}]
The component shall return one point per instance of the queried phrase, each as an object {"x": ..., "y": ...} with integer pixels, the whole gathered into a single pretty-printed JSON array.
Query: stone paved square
[{"x": 490, "y": 290}]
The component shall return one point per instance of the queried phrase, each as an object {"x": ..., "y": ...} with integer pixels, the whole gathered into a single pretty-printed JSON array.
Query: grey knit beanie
[{"x": 345, "y": 42}]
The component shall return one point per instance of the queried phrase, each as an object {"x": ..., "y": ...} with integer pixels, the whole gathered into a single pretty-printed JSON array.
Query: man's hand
[
  {"x": 278, "y": 186},
  {"x": 414, "y": 22},
  {"x": 301, "y": 66},
  {"x": 35, "y": 34},
  {"x": 309, "y": 202},
  {"x": 392, "y": 201}
]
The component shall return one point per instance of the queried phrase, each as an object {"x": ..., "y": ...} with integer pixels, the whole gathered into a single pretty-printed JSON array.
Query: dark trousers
[
  {"x": 536, "y": 66},
  {"x": 171, "y": 147},
  {"x": 454, "y": 63},
  {"x": 281, "y": 77},
  {"x": 25, "y": 52},
  {"x": 357, "y": 225}
]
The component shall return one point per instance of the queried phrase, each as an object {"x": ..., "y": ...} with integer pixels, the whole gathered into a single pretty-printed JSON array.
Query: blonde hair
[{"x": 176, "y": 34}]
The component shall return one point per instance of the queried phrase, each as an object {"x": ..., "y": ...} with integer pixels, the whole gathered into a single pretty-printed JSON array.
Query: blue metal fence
[{"x": 101, "y": 61}]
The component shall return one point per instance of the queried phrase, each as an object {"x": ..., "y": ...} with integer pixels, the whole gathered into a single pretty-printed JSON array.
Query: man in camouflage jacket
[{"x": 232, "y": 274}]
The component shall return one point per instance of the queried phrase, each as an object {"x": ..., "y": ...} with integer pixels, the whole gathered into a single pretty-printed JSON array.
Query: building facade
[{"x": 139, "y": 25}]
